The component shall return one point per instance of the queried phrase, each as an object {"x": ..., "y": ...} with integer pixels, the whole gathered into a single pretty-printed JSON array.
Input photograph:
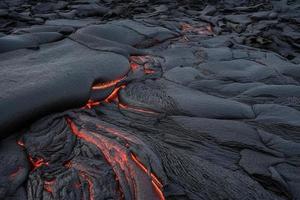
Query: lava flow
[
  {"x": 139, "y": 62},
  {"x": 124, "y": 106},
  {"x": 140, "y": 183},
  {"x": 107, "y": 84},
  {"x": 37, "y": 162},
  {"x": 91, "y": 104}
]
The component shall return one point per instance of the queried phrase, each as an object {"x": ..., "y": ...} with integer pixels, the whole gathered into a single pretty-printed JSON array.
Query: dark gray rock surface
[{"x": 119, "y": 99}]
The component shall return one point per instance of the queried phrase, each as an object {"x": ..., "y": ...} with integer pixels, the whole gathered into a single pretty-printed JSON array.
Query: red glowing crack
[
  {"x": 38, "y": 162},
  {"x": 124, "y": 106},
  {"x": 105, "y": 85},
  {"x": 122, "y": 159}
]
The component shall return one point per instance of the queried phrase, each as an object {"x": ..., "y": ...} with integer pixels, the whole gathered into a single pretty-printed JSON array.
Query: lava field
[{"x": 150, "y": 100}]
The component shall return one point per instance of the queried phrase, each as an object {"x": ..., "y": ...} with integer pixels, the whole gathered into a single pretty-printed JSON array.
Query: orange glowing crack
[
  {"x": 119, "y": 158},
  {"x": 138, "y": 62},
  {"x": 134, "y": 66},
  {"x": 116, "y": 133},
  {"x": 90, "y": 184},
  {"x": 106, "y": 85},
  {"x": 37, "y": 163},
  {"x": 114, "y": 95},
  {"x": 102, "y": 144},
  {"x": 155, "y": 182},
  {"x": 124, "y": 106},
  {"x": 84, "y": 176},
  {"x": 90, "y": 104}
]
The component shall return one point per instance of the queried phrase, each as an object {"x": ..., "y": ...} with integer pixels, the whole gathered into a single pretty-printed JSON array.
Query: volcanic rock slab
[{"x": 149, "y": 100}]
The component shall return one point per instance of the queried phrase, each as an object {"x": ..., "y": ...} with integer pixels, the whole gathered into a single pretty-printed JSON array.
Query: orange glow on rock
[
  {"x": 114, "y": 95},
  {"x": 106, "y": 85},
  {"x": 38, "y": 162},
  {"x": 155, "y": 182},
  {"x": 90, "y": 184},
  {"x": 124, "y": 106},
  {"x": 90, "y": 104},
  {"x": 141, "y": 62},
  {"x": 134, "y": 66},
  {"x": 120, "y": 160}
]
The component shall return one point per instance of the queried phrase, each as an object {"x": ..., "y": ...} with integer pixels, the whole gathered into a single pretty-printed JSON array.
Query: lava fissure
[
  {"x": 90, "y": 184},
  {"x": 38, "y": 162},
  {"x": 105, "y": 85},
  {"x": 119, "y": 157}
]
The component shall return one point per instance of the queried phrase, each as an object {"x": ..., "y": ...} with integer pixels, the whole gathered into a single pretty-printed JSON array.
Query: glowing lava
[
  {"x": 123, "y": 163},
  {"x": 91, "y": 104},
  {"x": 106, "y": 85},
  {"x": 134, "y": 66},
  {"x": 124, "y": 106},
  {"x": 37, "y": 162},
  {"x": 90, "y": 184},
  {"x": 137, "y": 62},
  {"x": 114, "y": 95},
  {"x": 155, "y": 182}
]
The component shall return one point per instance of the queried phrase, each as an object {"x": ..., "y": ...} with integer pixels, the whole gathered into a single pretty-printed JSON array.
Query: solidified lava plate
[{"x": 149, "y": 100}]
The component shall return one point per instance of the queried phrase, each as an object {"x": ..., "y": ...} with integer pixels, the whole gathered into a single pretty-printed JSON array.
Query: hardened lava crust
[{"x": 146, "y": 100}]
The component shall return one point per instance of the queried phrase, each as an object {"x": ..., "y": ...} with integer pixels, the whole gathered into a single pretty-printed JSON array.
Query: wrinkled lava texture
[{"x": 146, "y": 100}]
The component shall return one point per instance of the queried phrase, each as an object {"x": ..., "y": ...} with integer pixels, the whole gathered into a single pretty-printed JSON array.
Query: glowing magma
[
  {"x": 142, "y": 184},
  {"x": 108, "y": 84}
]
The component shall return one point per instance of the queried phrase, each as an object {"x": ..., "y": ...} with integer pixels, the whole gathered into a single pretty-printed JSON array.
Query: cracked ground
[{"x": 115, "y": 99}]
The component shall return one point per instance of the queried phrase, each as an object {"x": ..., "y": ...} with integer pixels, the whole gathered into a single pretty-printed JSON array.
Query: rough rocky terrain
[{"x": 116, "y": 99}]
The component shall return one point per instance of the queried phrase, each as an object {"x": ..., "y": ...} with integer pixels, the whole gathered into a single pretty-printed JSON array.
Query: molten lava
[
  {"x": 114, "y": 95},
  {"x": 155, "y": 182},
  {"x": 90, "y": 104},
  {"x": 124, "y": 106},
  {"x": 36, "y": 163},
  {"x": 106, "y": 85},
  {"x": 134, "y": 66},
  {"x": 122, "y": 163},
  {"x": 90, "y": 184},
  {"x": 140, "y": 62}
]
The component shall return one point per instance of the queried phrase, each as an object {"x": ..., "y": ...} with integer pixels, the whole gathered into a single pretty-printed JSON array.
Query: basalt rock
[{"x": 123, "y": 99}]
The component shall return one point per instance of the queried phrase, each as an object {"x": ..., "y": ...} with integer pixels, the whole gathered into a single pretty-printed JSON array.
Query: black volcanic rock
[
  {"x": 55, "y": 78},
  {"x": 120, "y": 99}
]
